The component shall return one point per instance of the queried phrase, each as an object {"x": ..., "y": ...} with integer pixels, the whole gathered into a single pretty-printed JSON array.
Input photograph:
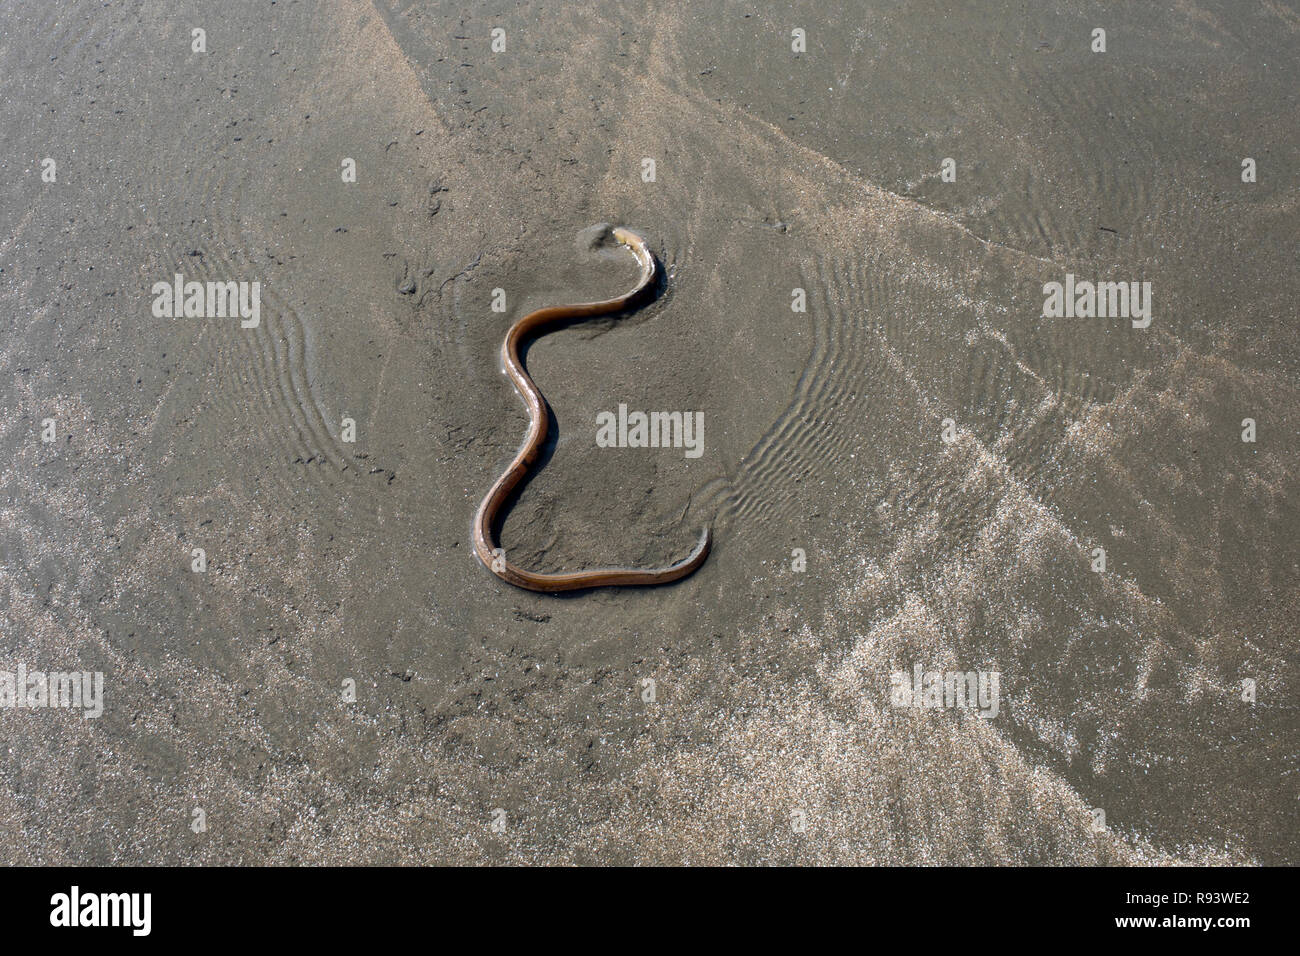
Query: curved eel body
[{"x": 485, "y": 545}]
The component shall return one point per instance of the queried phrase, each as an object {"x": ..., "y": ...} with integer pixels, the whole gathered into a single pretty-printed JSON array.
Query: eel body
[{"x": 485, "y": 521}]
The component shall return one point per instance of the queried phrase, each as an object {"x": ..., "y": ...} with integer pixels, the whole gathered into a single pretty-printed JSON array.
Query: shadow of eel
[{"x": 485, "y": 545}]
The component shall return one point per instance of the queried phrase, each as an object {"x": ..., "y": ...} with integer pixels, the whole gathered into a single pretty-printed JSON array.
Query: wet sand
[{"x": 493, "y": 725}]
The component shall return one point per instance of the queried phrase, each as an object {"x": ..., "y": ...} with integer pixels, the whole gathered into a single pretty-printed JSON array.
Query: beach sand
[{"x": 944, "y": 458}]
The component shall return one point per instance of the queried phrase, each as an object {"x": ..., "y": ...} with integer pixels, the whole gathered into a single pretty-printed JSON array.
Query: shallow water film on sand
[{"x": 972, "y": 340}]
